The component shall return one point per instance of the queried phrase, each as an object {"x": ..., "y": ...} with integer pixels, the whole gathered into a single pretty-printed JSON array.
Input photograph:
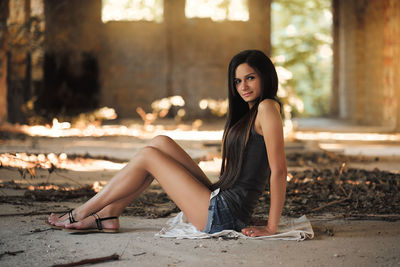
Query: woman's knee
[
  {"x": 160, "y": 141},
  {"x": 148, "y": 151},
  {"x": 148, "y": 157}
]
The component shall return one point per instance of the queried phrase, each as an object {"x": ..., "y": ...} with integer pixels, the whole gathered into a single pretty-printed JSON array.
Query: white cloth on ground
[{"x": 289, "y": 229}]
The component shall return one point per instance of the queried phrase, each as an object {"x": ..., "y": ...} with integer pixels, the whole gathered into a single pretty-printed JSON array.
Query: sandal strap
[
  {"x": 108, "y": 218},
  {"x": 99, "y": 220},
  {"x": 63, "y": 214},
  {"x": 71, "y": 217}
]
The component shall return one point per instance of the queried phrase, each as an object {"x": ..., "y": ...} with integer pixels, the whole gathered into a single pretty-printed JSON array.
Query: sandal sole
[{"x": 90, "y": 231}]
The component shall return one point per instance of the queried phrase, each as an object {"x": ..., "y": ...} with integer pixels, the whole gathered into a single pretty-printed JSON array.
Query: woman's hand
[{"x": 254, "y": 231}]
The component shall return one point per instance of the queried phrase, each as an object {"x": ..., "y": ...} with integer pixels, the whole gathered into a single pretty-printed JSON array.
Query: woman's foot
[
  {"x": 60, "y": 220},
  {"x": 97, "y": 222}
]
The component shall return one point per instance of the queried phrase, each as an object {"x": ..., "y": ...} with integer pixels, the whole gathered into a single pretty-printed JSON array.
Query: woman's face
[{"x": 248, "y": 83}]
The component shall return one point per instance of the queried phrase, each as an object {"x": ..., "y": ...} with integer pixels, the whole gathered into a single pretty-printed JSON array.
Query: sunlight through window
[
  {"x": 132, "y": 10},
  {"x": 218, "y": 10}
]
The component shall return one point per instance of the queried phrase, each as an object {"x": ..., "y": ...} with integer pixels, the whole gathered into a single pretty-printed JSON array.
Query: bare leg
[
  {"x": 182, "y": 186},
  {"x": 114, "y": 209},
  {"x": 190, "y": 195},
  {"x": 165, "y": 145},
  {"x": 171, "y": 148},
  {"x": 116, "y": 206}
]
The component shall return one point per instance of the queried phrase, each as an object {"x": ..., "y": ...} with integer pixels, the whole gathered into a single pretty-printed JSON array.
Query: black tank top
[{"x": 242, "y": 197}]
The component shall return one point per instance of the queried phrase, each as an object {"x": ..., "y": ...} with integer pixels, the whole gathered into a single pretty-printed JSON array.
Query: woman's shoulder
[
  {"x": 268, "y": 105},
  {"x": 266, "y": 109}
]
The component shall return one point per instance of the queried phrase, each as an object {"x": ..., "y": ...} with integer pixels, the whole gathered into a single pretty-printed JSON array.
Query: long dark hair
[{"x": 240, "y": 118}]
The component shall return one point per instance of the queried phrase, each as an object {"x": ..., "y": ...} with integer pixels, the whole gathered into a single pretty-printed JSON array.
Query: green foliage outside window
[{"x": 301, "y": 41}]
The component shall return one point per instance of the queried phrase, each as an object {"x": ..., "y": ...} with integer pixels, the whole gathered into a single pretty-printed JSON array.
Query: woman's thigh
[
  {"x": 172, "y": 149},
  {"x": 189, "y": 194}
]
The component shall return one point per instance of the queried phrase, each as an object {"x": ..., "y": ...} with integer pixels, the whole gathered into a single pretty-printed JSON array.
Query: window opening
[
  {"x": 132, "y": 10},
  {"x": 302, "y": 47},
  {"x": 218, "y": 10}
]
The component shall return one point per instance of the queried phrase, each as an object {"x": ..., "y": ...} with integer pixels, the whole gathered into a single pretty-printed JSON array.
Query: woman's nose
[{"x": 243, "y": 86}]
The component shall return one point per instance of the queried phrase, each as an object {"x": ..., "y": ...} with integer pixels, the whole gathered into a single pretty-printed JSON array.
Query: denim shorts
[{"x": 220, "y": 217}]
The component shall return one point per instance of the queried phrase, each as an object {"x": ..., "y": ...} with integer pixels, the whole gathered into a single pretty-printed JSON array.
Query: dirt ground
[
  {"x": 347, "y": 243},
  {"x": 342, "y": 236}
]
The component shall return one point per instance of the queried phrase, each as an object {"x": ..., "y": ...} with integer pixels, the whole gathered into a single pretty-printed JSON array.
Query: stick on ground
[{"x": 113, "y": 257}]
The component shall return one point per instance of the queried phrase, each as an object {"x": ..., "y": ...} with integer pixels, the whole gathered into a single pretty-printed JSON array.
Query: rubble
[{"x": 356, "y": 192}]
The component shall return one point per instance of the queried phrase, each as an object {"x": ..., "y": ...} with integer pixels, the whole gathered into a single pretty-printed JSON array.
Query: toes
[
  {"x": 51, "y": 218},
  {"x": 60, "y": 223}
]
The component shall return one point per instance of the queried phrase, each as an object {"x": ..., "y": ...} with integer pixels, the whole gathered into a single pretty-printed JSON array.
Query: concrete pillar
[
  {"x": 19, "y": 60},
  {"x": 366, "y": 71},
  {"x": 346, "y": 57},
  {"x": 3, "y": 59},
  {"x": 396, "y": 57},
  {"x": 260, "y": 17},
  {"x": 174, "y": 15},
  {"x": 334, "y": 101},
  {"x": 391, "y": 63}
]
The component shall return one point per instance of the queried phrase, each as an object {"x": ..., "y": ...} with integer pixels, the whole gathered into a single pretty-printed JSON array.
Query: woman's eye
[
  {"x": 237, "y": 81},
  {"x": 250, "y": 78}
]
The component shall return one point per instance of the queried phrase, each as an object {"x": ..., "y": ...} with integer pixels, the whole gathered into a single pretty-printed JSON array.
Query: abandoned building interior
[{"x": 62, "y": 57}]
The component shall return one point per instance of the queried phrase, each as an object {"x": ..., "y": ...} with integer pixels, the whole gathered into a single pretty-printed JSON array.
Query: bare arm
[{"x": 269, "y": 120}]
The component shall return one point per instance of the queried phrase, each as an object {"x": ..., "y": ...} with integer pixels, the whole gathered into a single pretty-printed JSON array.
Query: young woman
[{"x": 252, "y": 154}]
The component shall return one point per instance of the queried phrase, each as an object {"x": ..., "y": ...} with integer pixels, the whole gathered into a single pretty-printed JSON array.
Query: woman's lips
[{"x": 247, "y": 94}]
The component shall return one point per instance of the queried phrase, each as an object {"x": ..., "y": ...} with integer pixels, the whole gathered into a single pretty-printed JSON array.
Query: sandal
[
  {"x": 70, "y": 217},
  {"x": 99, "y": 229}
]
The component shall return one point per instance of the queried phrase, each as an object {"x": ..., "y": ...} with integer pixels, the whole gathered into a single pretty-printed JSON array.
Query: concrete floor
[{"x": 353, "y": 243}]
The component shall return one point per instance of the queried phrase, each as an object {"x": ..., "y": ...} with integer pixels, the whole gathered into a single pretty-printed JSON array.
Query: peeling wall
[
  {"x": 72, "y": 48},
  {"x": 63, "y": 59},
  {"x": 144, "y": 61},
  {"x": 21, "y": 57},
  {"x": 18, "y": 60},
  {"x": 139, "y": 62}
]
